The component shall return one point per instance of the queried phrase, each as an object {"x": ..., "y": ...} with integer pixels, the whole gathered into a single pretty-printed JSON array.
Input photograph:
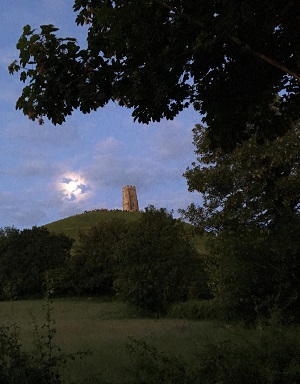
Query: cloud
[
  {"x": 35, "y": 169},
  {"x": 14, "y": 210},
  {"x": 172, "y": 142},
  {"x": 47, "y": 135},
  {"x": 109, "y": 145}
]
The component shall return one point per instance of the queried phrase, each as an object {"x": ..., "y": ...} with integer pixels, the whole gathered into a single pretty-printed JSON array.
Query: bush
[
  {"x": 25, "y": 258},
  {"x": 269, "y": 356},
  {"x": 158, "y": 264},
  {"x": 93, "y": 264},
  {"x": 255, "y": 271}
]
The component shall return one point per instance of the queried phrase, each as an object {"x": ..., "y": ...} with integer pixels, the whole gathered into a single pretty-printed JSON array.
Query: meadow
[
  {"x": 186, "y": 345},
  {"x": 105, "y": 327}
]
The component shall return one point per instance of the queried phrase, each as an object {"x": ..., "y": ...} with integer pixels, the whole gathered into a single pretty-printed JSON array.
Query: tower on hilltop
[{"x": 129, "y": 200}]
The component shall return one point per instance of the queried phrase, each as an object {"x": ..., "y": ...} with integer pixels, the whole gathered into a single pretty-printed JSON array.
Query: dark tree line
[
  {"x": 25, "y": 259},
  {"x": 150, "y": 262}
]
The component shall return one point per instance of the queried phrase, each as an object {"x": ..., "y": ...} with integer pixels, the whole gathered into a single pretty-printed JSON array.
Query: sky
[{"x": 51, "y": 172}]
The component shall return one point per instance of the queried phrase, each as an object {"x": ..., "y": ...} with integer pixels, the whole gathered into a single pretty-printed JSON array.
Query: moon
[{"x": 73, "y": 187}]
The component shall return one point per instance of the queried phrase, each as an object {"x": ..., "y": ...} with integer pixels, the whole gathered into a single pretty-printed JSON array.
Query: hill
[{"x": 70, "y": 226}]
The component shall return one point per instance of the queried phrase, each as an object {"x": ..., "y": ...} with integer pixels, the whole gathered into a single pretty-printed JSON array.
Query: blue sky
[{"x": 50, "y": 172}]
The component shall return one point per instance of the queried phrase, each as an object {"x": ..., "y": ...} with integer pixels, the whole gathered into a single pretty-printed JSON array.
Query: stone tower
[{"x": 130, "y": 201}]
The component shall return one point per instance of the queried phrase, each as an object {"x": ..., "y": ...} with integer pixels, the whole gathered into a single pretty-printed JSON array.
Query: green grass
[
  {"x": 105, "y": 328},
  {"x": 70, "y": 226}
]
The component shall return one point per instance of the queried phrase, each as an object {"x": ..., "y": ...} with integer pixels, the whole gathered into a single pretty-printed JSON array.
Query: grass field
[
  {"x": 82, "y": 222},
  {"x": 105, "y": 328}
]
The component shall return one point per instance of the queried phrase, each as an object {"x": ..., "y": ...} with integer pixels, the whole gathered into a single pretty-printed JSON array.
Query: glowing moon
[{"x": 73, "y": 187}]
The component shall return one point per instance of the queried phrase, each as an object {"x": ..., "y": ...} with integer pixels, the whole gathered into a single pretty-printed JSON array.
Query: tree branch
[
  {"x": 264, "y": 57},
  {"x": 238, "y": 42}
]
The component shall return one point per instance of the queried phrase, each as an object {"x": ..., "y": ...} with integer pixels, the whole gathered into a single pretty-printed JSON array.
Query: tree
[
  {"x": 228, "y": 59},
  {"x": 26, "y": 256},
  {"x": 252, "y": 206},
  {"x": 158, "y": 263},
  {"x": 93, "y": 264}
]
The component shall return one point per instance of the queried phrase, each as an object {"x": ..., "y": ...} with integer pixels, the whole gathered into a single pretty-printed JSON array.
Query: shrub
[
  {"x": 25, "y": 258},
  {"x": 93, "y": 264},
  {"x": 158, "y": 264},
  {"x": 268, "y": 356}
]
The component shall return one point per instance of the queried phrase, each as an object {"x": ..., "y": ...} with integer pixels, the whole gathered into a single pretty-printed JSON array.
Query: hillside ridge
[{"x": 71, "y": 225}]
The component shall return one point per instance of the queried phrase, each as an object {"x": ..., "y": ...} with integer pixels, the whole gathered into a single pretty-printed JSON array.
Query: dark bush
[
  {"x": 25, "y": 258},
  {"x": 269, "y": 356},
  {"x": 158, "y": 264},
  {"x": 93, "y": 264}
]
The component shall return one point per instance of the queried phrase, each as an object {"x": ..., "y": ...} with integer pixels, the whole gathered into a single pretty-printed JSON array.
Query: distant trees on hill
[
  {"x": 25, "y": 258},
  {"x": 150, "y": 262},
  {"x": 93, "y": 265}
]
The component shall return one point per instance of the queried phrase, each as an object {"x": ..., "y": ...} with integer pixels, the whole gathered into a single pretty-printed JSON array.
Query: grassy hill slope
[{"x": 70, "y": 226}]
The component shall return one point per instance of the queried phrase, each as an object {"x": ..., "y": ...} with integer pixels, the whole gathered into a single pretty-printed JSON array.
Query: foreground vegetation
[
  {"x": 103, "y": 327},
  {"x": 129, "y": 348},
  {"x": 152, "y": 315}
]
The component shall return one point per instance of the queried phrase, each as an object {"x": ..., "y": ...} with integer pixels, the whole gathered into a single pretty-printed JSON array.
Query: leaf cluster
[
  {"x": 227, "y": 59},
  {"x": 92, "y": 268},
  {"x": 251, "y": 207},
  {"x": 256, "y": 183}
]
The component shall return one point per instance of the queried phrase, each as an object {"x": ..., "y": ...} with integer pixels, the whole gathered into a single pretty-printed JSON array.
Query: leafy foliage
[
  {"x": 93, "y": 264},
  {"x": 229, "y": 59},
  {"x": 251, "y": 205},
  {"x": 257, "y": 183},
  {"x": 25, "y": 258},
  {"x": 269, "y": 357},
  {"x": 158, "y": 264}
]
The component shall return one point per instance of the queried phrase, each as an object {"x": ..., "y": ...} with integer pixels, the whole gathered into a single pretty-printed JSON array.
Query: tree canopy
[
  {"x": 26, "y": 257},
  {"x": 229, "y": 59},
  {"x": 251, "y": 204},
  {"x": 158, "y": 263}
]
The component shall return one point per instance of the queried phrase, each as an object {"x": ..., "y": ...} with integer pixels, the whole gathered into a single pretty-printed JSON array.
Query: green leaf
[
  {"x": 27, "y": 30},
  {"x": 23, "y": 76}
]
